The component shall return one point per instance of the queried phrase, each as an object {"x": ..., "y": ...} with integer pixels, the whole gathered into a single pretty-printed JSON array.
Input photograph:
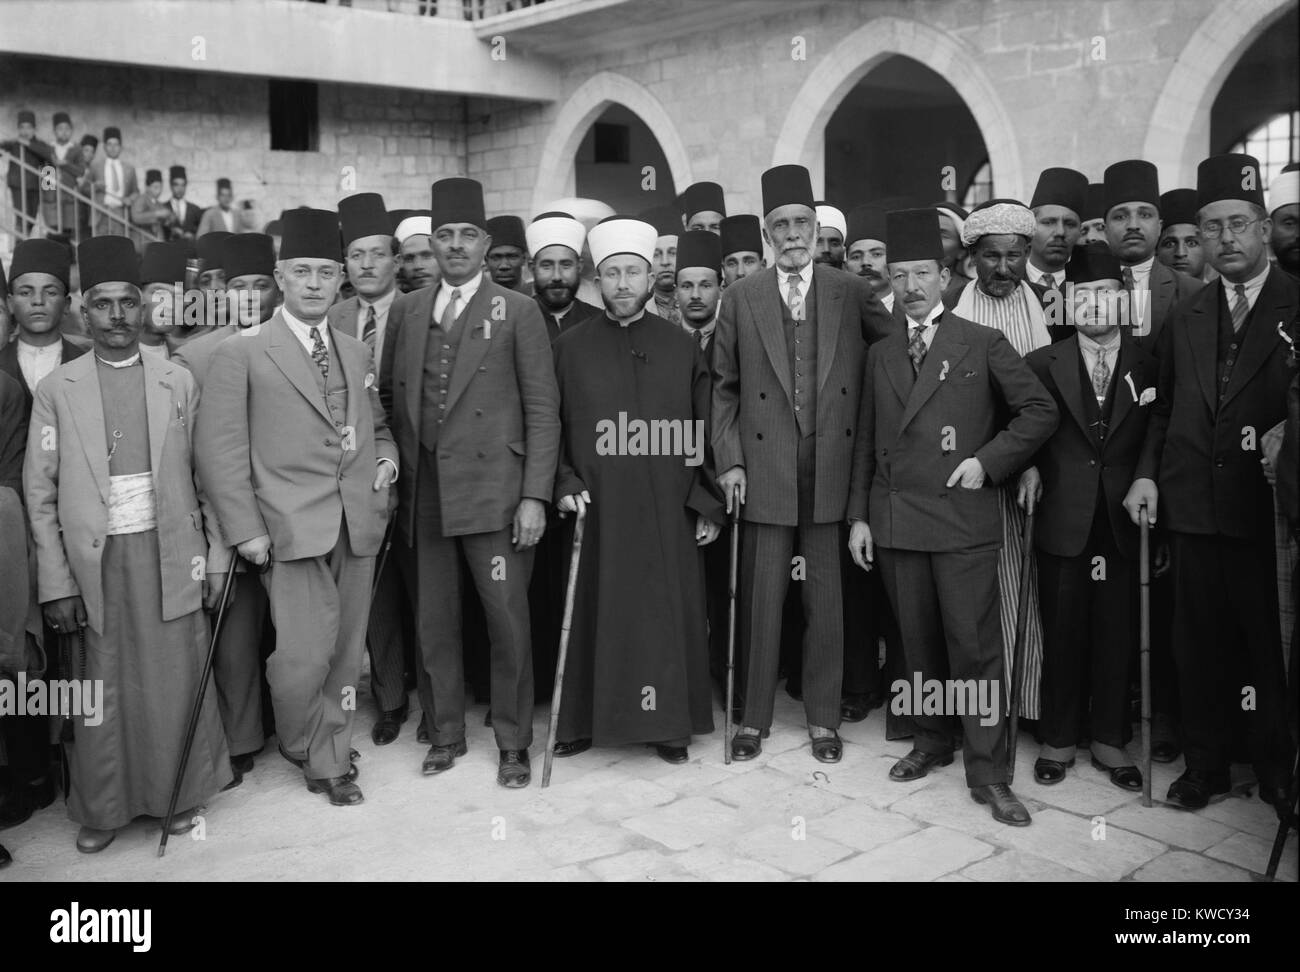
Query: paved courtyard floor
[{"x": 623, "y": 814}]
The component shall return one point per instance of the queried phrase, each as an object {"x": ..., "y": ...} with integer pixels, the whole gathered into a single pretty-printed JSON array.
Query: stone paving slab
[
  {"x": 1184, "y": 866},
  {"x": 1251, "y": 852},
  {"x": 1014, "y": 865},
  {"x": 921, "y": 856},
  {"x": 1069, "y": 840}
]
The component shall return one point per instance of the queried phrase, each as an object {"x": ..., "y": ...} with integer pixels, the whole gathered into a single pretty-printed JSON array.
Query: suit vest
[
  {"x": 439, "y": 364},
  {"x": 1230, "y": 343},
  {"x": 335, "y": 388},
  {"x": 801, "y": 352}
]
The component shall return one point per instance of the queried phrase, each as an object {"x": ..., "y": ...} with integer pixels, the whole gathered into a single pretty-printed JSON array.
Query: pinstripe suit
[{"x": 797, "y": 473}]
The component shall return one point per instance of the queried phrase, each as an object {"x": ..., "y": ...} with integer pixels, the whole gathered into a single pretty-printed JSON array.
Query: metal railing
[
  {"x": 453, "y": 9},
  {"x": 42, "y": 204}
]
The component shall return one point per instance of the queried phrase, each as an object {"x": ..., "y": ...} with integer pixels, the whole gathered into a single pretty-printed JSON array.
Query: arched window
[
  {"x": 980, "y": 188},
  {"x": 1275, "y": 143}
]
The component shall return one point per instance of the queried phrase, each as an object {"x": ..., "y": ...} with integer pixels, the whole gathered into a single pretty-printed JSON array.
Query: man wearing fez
[
  {"x": 203, "y": 309},
  {"x": 666, "y": 221},
  {"x": 933, "y": 429},
  {"x": 742, "y": 247},
  {"x": 1180, "y": 238},
  {"x": 555, "y": 241},
  {"x": 1058, "y": 199},
  {"x": 185, "y": 215},
  {"x": 1284, "y": 212},
  {"x": 831, "y": 230},
  {"x": 114, "y": 184},
  {"x": 86, "y": 184},
  {"x": 787, "y": 365},
  {"x": 252, "y": 294},
  {"x": 1092, "y": 221},
  {"x": 865, "y": 251},
  {"x": 1223, "y": 383},
  {"x": 703, "y": 207},
  {"x": 1103, "y": 385},
  {"x": 509, "y": 253},
  {"x": 58, "y": 207},
  {"x": 415, "y": 241},
  {"x": 475, "y": 414},
  {"x": 222, "y": 216},
  {"x": 148, "y": 210},
  {"x": 1132, "y": 201},
  {"x": 370, "y": 255},
  {"x": 639, "y": 618},
  {"x": 296, "y": 455},
  {"x": 162, "y": 287},
  {"x": 25, "y": 186},
  {"x": 121, "y": 555}
]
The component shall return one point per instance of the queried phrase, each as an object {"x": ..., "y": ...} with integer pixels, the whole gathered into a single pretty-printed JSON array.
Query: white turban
[
  {"x": 1284, "y": 190},
  {"x": 621, "y": 234},
  {"x": 955, "y": 216},
  {"x": 998, "y": 219},
  {"x": 829, "y": 216},
  {"x": 414, "y": 226},
  {"x": 554, "y": 230}
]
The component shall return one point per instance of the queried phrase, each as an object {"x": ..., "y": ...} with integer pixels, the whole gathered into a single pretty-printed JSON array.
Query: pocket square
[
  {"x": 370, "y": 379},
  {"x": 1148, "y": 396},
  {"x": 970, "y": 374}
]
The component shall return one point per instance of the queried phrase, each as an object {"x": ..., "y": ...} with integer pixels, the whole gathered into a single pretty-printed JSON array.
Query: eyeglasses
[{"x": 1237, "y": 225}]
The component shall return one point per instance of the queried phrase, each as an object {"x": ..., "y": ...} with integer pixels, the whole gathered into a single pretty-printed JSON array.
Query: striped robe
[{"x": 1020, "y": 318}]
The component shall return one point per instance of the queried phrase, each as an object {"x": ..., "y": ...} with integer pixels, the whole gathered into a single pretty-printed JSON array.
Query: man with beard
[
  {"x": 865, "y": 253},
  {"x": 1092, "y": 221},
  {"x": 831, "y": 234},
  {"x": 1180, "y": 245},
  {"x": 1132, "y": 201},
  {"x": 639, "y": 619},
  {"x": 742, "y": 247},
  {"x": 419, "y": 265},
  {"x": 1284, "y": 211},
  {"x": 667, "y": 223},
  {"x": 703, "y": 207},
  {"x": 508, "y": 254}
]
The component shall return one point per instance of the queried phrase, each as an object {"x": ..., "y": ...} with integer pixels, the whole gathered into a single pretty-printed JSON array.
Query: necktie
[
  {"x": 114, "y": 180},
  {"x": 449, "y": 312},
  {"x": 319, "y": 353},
  {"x": 1240, "y": 308},
  {"x": 916, "y": 348},
  {"x": 368, "y": 332},
  {"x": 1100, "y": 375},
  {"x": 795, "y": 299},
  {"x": 1128, "y": 278},
  {"x": 1049, "y": 282}
]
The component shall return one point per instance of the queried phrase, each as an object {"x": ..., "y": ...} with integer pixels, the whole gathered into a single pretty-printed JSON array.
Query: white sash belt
[{"x": 131, "y": 504}]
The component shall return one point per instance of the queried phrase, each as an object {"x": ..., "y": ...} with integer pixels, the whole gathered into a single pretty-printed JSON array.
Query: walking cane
[
  {"x": 731, "y": 621},
  {"x": 198, "y": 703},
  {"x": 1022, "y": 623},
  {"x": 383, "y": 559},
  {"x": 1144, "y": 647},
  {"x": 558, "y": 691}
]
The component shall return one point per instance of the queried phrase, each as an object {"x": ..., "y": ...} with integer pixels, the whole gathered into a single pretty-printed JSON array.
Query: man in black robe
[{"x": 634, "y": 403}]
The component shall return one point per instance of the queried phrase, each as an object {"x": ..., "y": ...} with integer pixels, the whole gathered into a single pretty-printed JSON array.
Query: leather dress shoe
[
  {"x": 5, "y": 859},
  {"x": 917, "y": 764},
  {"x": 745, "y": 745},
  {"x": 1049, "y": 771},
  {"x": 440, "y": 758},
  {"x": 1194, "y": 788},
  {"x": 671, "y": 754},
  {"x": 388, "y": 725},
  {"x": 342, "y": 791},
  {"x": 422, "y": 732},
  {"x": 855, "y": 708},
  {"x": 239, "y": 766},
  {"x": 513, "y": 769},
  {"x": 1165, "y": 751},
  {"x": 25, "y": 799},
  {"x": 1125, "y": 777},
  {"x": 1006, "y": 808},
  {"x": 92, "y": 841},
  {"x": 827, "y": 749},
  {"x": 182, "y": 822},
  {"x": 563, "y": 749}
]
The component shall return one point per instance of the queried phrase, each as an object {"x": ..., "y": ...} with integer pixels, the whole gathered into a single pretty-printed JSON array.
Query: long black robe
[{"x": 638, "y": 659}]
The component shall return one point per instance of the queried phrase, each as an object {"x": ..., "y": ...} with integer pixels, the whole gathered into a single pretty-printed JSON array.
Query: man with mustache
[
  {"x": 1284, "y": 211},
  {"x": 787, "y": 374},
  {"x": 509, "y": 254},
  {"x": 1132, "y": 202},
  {"x": 742, "y": 247},
  {"x": 831, "y": 230},
  {"x": 1224, "y": 374},
  {"x": 703, "y": 207},
  {"x": 476, "y": 415},
  {"x": 1180, "y": 245},
  {"x": 865, "y": 252},
  {"x": 1058, "y": 199},
  {"x": 667, "y": 222}
]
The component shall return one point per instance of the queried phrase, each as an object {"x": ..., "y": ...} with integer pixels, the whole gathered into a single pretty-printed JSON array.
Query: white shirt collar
[
  {"x": 1253, "y": 286},
  {"x": 134, "y": 359},
  {"x": 1036, "y": 274},
  {"x": 302, "y": 330},
  {"x": 382, "y": 304},
  {"x": 1092, "y": 346},
  {"x": 706, "y": 330},
  {"x": 927, "y": 333},
  {"x": 1142, "y": 270},
  {"x": 52, "y": 350},
  {"x": 467, "y": 290},
  {"x": 806, "y": 275}
]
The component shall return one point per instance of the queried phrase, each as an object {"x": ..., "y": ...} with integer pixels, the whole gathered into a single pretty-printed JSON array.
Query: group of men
[{"x": 401, "y": 469}]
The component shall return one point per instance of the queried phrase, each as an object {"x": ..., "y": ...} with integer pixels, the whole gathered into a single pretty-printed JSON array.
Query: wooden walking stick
[
  {"x": 732, "y": 575},
  {"x": 1022, "y": 624},
  {"x": 569, "y": 592},
  {"x": 198, "y": 702},
  {"x": 1144, "y": 647},
  {"x": 383, "y": 559}
]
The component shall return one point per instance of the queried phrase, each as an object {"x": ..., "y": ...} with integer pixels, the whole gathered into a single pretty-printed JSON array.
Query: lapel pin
[
  {"x": 487, "y": 330},
  {"x": 943, "y": 372}
]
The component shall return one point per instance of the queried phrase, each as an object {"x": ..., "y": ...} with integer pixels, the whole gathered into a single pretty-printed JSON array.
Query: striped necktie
[
  {"x": 320, "y": 354},
  {"x": 795, "y": 299},
  {"x": 1100, "y": 375},
  {"x": 1240, "y": 308},
  {"x": 449, "y": 313},
  {"x": 368, "y": 332},
  {"x": 916, "y": 347}
]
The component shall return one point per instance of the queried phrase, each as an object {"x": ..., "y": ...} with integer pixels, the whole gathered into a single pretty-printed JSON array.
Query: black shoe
[
  {"x": 440, "y": 758},
  {"x": 855, "y": 708},
  {"x": 827, "y": 749},
  {"x": 1049, "y": 771},
  {"x": 671, "y": 754},
  {"x": 1006, "y": 808},
  {"x": 513, "y": 769},
  {"x": 239, "y": 766},
  {"x": 563, "y": 749},
  {"x": 25, "y": 799},
  {"x": 422, "y": 733},
  {"x": 5, "y": 859},
  {"x": 917, "y": 764},
  {"x": 1165, "y": 751},
  {"x": 1193, "y": 790},
  {"x": 342, "y": 791},
  {"x": 745, "y": 746},
  {"x": 388, "y": 725},
  {"x": 1125, "y": 777}
]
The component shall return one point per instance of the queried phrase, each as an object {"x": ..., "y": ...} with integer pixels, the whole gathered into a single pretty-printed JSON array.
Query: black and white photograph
[{"x": 652, "y": 441}]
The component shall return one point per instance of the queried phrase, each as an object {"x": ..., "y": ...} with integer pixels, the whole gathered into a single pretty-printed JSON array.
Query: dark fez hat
[
  {"x": 362, "y": 215},
  {"x": 1093, "y": 262},
  {"x": 867, "y": 222},
  {"x": 786, "y": 185},
  {"x": 1094, "y": 206},
  {"x": 1133, "y": 180},
  {"x": 176, "y": 172},
  {"x": 507, "y": 231},
  {"x": 1178, "y": 206},
  {"x": 1229, "y": 177},
  {"x": 699, "y": 248},
  {"x": 457, "y": 200},
  {"x": 312, "y": 233},
  {"x": 106, "y": 259},
  {"x": 702, "y": 197},
  {"x": 247, "y": 254},
  {"x": 40, "y": 256},
  {"x": 112, "y": 131},
  {"x": 742, "y": 233},
  {"x": 209, "y": 248},
  {"x": 1061, "y": 187},
  {"x": 163, "y": 263},
  {"x": 666, "y": 220},
  {"x": 913, "y": 235}
]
